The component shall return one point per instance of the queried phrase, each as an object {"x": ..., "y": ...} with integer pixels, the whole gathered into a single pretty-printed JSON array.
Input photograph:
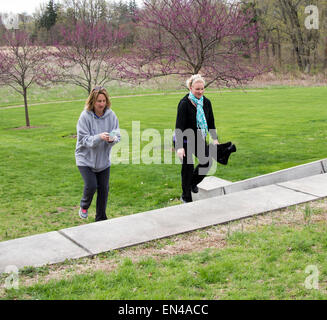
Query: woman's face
[
  {"x": 197, "y": 89},
  {"x": 100, "y": 104}
]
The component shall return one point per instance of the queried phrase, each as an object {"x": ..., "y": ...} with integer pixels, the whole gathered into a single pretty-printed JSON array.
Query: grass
[
  {"x": 10, "y": 97},
  {"x": 266, "y": 262},
  {"x": 41, "y": 187},
  {"x": 40, "y": 190}
]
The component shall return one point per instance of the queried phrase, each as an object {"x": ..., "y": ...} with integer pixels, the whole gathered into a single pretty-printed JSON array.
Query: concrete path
[{"x": 94, "y": 238}]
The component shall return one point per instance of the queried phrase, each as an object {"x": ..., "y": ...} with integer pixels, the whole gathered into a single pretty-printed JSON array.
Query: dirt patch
[
  {"x": 26, "y": 127},
  {"x": 59, "y": 210},
  {"x": 288, "y": 79},
  {"x": 72, "y": 136}
]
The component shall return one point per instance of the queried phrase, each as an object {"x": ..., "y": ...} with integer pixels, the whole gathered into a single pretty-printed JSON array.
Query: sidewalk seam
[
  {"x": 310, "y": 194},
  {"x": 75, "y": 242}
]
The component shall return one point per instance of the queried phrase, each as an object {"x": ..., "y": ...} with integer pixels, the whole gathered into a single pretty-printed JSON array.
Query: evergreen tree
[{"x": 49, "y": 17}]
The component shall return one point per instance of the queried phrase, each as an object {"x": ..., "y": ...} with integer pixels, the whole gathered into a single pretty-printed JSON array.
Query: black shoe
[
  {"x": 185, "y": 201},
  {"x": 97, "y": 219},
  {"x": 195, "y": 189}
]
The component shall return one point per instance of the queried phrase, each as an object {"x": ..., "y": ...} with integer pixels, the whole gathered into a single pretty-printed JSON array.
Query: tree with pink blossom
[
  {"x": 23, "y": 63},
  {"x": 88, "y": 54},
  {"x": 185, "y": 37}
]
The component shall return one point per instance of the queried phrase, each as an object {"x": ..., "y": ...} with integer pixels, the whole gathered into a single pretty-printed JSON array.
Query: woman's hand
[
  {"x": 216, "y": 142},
  {"x": 181, "y": 153},
  {"x": 105, "y": 136}
]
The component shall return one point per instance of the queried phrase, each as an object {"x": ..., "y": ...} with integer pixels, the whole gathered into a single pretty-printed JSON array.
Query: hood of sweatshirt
[{"x": 104, "y": 116}]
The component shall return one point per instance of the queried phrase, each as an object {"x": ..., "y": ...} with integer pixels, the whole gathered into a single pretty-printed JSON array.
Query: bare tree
[
  {"x": 23, "y": 64},
  {"x": 88, "y": 55},
  {"x": 89, "y": 11}
]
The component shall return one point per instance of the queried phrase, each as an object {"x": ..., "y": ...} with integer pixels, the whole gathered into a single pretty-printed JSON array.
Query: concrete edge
[
  {"x": 38, "y": 250},
  {"x": 324, "y": 165},
  {"x": 210, "y": 183},
  {"x": 297, "y": 172}
]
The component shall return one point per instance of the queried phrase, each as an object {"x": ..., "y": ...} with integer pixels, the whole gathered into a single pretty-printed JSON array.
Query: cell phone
[{"x": 114, "y": 133}]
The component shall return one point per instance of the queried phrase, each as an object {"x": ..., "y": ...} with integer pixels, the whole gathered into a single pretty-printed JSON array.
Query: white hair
[{"x": 193, "y": 79}]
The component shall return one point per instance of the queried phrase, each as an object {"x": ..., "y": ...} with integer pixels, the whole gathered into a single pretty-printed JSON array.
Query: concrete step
[
  {"x": 97, "y": 237},
  {"x": 210, "y": 187},
  {"x": 213, "y": 187}
]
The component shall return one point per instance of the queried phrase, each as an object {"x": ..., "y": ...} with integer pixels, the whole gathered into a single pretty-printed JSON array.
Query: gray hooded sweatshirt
[{"x": 91, "y": 151}]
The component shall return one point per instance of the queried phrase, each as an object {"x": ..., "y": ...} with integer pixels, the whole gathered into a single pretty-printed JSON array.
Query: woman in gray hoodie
[{"x": 97, "y": 132}]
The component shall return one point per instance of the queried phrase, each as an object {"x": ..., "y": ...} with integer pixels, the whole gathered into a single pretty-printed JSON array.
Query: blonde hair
[
  {"x": 90, "y": 102},
  {"x": 193, "y": 79}
]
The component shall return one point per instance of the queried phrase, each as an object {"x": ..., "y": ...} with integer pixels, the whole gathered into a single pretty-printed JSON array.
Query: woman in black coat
[{"x": 194, "y": 121}]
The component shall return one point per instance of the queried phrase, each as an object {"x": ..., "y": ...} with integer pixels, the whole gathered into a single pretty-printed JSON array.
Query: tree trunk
[
  {"x": 27, "y": 118},
  {"x": 279, "y": 46},
  {"x": 257, "y": 45},
  {"x": 303, "y": 65},
  {"x": 291, "y": 19},
  {"x": 324, "y": 30},
  {"x": 307, "y": 60},
  {"x": 315, "y": 59},
  {"x": 266, "y": 39},
  {"x": 273, "y": 49}
]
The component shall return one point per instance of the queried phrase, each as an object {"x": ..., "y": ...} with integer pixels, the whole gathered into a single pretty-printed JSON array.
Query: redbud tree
[
  {"x": 24, "y": 63},
  {"x": 185, "y": 37},
  {"x": 88, "y": 54}
]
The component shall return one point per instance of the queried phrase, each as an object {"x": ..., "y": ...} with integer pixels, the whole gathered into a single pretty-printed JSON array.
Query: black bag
[{"x": 221, "y": 152}]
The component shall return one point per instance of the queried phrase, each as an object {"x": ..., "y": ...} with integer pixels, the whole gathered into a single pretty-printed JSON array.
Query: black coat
[{"x": 186, "y": 118}]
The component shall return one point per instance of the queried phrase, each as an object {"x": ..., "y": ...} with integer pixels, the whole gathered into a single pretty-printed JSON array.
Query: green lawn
[
  {"x": 41, "y": 187},
  {"x": 10, "y": 97}
]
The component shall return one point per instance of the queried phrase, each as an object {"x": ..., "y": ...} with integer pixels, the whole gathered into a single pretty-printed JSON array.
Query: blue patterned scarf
[{"x": 201, "y": 121}]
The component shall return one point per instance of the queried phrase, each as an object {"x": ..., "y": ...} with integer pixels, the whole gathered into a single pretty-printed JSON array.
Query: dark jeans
[
  {"x": 95, "y": 181},
  {"x": 205, "y": 154},
  {"x": 191, "y": 177}
]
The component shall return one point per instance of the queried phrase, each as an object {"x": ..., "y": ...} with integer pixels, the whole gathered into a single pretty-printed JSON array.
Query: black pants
[
  {"x": 190, "y": 176},
  {"x": 206, "y": 154},
  {"x": 95, "y": 181}
]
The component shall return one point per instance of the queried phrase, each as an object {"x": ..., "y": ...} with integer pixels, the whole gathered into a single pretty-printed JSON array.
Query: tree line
[
  {"x": 281, "y": 24},
  {"x": 93, "y": 42},
  {"x": 295, "y": 32},
  {"x": 44, "y": 23}
]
